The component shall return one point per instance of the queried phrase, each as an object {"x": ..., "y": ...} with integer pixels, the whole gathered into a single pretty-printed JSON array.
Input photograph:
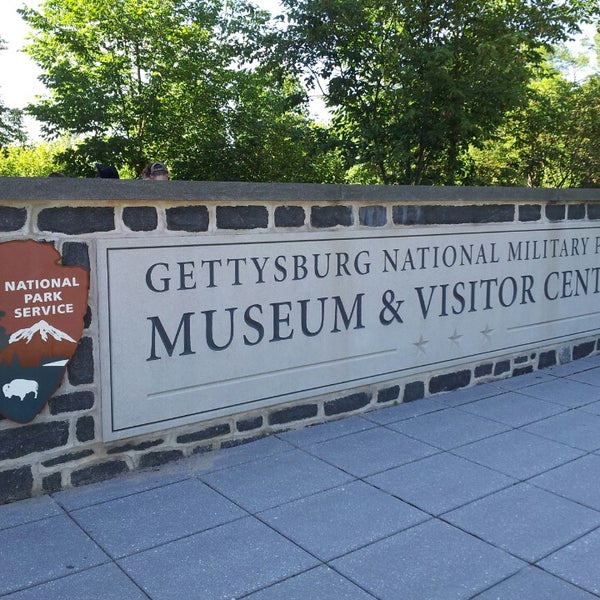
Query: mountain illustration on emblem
[{"x": 38, "y": 344}]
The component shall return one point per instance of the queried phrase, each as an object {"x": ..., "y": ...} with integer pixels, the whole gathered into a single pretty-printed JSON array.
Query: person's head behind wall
[
  {"x": 106, "y": 171},
  {"x": 156, "y": 171}
]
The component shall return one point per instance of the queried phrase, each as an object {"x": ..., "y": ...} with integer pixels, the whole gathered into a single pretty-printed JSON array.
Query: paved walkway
[{"x": 491, "y": 492}]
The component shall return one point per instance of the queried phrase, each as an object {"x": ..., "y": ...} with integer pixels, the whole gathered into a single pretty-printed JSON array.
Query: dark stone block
[
  {"x": 388, "y": 394},
  {"x": 582, "y": 350},
  {"x": 530, "y": 212},
  {"x": 77, "y": 220},
  {"x": 155, "y": 459},
  {"x": 407, "y": 215},
  {"x": 100, "y": 472},
  {"x": 575, "y": 211},
  {"x": 415, "y": 390},
  {"x": 135, "y": 447},
  {"x": 11, "y": 218},
  {"x": 140, "y": 218},
  {"x": 242, "y": 217},
  {"x": 522, "y": 371},
  {"x": 331, "y": 216},
  {"x": 593, "y": 211},
  {"x": 293, "y": 413},
  {"x": 372, "y": 216},
  {"x": 204, "y": 434},
  {"x": 65, "y": 458},
  {"x": 521, "y": 359},
  {"x": 38, "y": 437},
  {"x": 547, "y": 359},
  {"x": 453, "y": 215},
  {"x": 347, "y": 403},
  {"x": 15, "y": 484},
  {"x": 202, "y": 449},
  {"x": 81, "y": 366},
  {"x": 187, "y": 218},
  {"x": 555, "y": 212},
  {"x": 75, "y": 254},
  {"x": 73, "y": 402},
  {"x": 502, "y": 367},
  {"x": 449, "y": 381},
  {"x": 52, "y": 483},
  {"x": 241, "y": 442},
  {"x": 289, "y": 216},
  {"x": 249, "y": 424},
  {"x": 483, "y": 370},
  {"x": 85, "y": 429}
]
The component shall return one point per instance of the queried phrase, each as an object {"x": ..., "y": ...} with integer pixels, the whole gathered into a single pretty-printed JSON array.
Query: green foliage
[
  {"x": 552, "y": 141},
  {"x": 30, "y": 161},
  {"x": 169, "y": 80},
  {"x": 413, "y": 84}
]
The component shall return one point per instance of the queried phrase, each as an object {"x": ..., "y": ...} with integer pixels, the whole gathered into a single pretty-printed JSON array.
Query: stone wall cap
[{"x": 30, "y": 189}]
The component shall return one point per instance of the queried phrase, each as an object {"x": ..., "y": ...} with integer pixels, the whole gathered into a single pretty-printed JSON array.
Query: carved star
[
  {"x": 420, "y": 344},
  {"x": 455, "y": 337},
  {"x": 487, "y": 332}
]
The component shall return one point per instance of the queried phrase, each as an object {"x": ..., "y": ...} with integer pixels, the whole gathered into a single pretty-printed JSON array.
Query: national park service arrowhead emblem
[{"x": 42, "y": 306}]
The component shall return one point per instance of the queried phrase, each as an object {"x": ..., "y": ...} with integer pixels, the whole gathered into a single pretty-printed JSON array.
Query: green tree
[
  {"x": 37, "y": 160},
  {"x": 553, "y": 140},
  {"x": 170, "y": 80},
  {"x": 413, "y": 84}
]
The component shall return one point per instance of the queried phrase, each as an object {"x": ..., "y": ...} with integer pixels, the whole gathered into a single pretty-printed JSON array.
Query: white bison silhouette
[{"x": 20, "y": 388}]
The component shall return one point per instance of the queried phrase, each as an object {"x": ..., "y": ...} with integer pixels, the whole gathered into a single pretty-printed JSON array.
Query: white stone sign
[{"x": 198, "y": 327}]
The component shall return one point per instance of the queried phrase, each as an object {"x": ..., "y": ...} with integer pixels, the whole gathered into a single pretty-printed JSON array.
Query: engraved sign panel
[{"x": 202, "y": 327}]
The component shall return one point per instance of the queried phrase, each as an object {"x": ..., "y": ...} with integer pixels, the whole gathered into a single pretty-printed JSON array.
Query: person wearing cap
[
  {"x": 106, "y": 172},
  {"x": 156, "y": 171}
]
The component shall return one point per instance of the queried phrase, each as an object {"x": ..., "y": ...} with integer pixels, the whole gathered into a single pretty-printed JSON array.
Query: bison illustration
[{"x": 20, "y": 388}]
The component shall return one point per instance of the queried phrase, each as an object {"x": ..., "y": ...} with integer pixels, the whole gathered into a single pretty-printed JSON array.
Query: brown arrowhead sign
[{"x": 42, "y": 306}]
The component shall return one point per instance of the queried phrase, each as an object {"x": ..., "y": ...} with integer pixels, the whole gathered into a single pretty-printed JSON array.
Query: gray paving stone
[
  {"x": 513, "y": 408},
  {"x": 518, "y": 454},
  {"x": 577, "y": 480},
  {"x": 593, "y": 408},
  {"x": 150, "y": 518},
  {"x": 576, "y": 428},
  {"x": 522, "y": 381},
  {"x": 26, "y": 511},
  {"x": 326, "y": 431},
  {"x": 565, "y": 392},
  {"x": 321, "y": 583},
  {"x": 466, "y": 395},
  {"x": 591, "y": 376},
  {"x": 432, "y": 561},
  {"x": 333, "y": 522},
  {"x": 534, "y": 584},
  {"x": 38, "y": 552},
  {"x": 405, "y": 410},
  {"x": 119, "y": 487},
  {"x": 106, "y": 582},
  {"x": 222, "y": 563},
  {"x": 517, "y": 520},
  {"x": 238, "y": 455},
  {"x": 371, "y": 451},
  {"x": 274, "y": 480},
  {"x": 440, "y": 483},
  {"x": 449, "y": 428},
  {"x": 578, "y": 562}
]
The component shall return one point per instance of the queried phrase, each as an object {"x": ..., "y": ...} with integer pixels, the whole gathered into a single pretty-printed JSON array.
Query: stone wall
[{"x": 62, "y": 446}]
